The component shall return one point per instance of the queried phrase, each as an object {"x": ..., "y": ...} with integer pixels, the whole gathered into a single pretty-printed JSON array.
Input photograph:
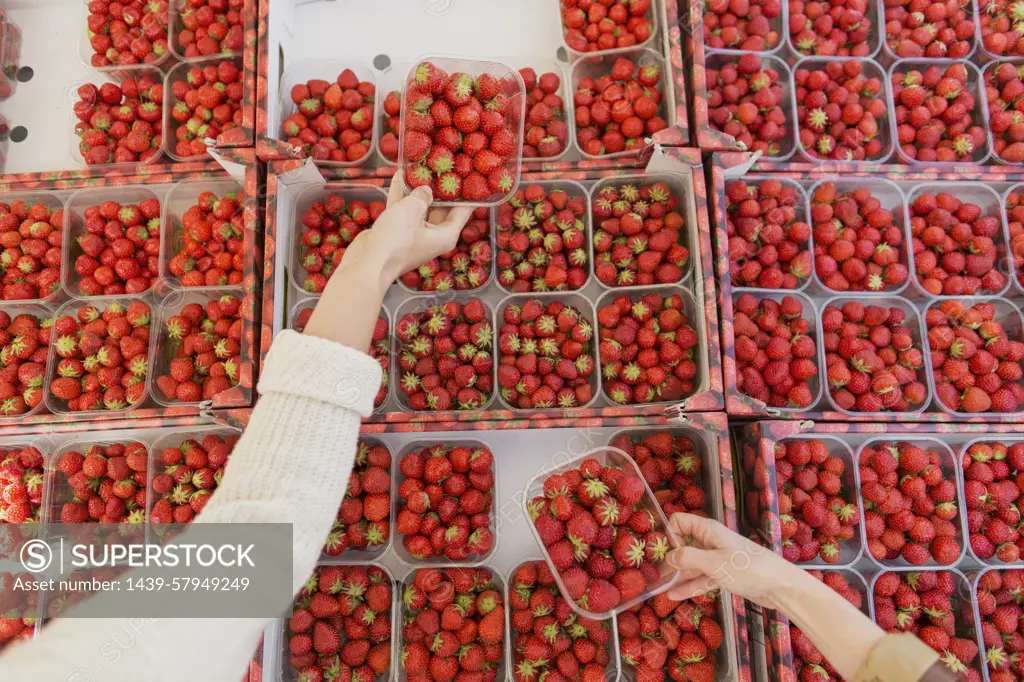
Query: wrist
[{"x": 368, "y": 265}]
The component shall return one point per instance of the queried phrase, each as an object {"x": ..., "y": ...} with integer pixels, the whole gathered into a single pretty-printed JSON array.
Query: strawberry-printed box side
[
  {"x": 281, "y": 293},
  {"x": 667, "y": 42}
]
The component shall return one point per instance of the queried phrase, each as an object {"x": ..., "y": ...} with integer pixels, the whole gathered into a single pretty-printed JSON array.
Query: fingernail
[
  {"x": 425, "y": 193},
  {"x": 675, "y": 558}
]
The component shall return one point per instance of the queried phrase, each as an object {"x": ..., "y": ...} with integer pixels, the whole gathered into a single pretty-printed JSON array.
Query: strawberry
[
  {"x": 1000, "y": 615},
  {"x": 834, "y": 126},
  {"x": 755, "y": 119},
  {"x": 640, "y": 361},
  {"x": 955, "y": 134},
  {"x": 1003, "y": 86},
  {"x": 617, "y": 111},
  {"x": 808, "y": 663},
  {"x": 907, "y": 509},
  {"x": 114, "y": 489},
  {"x": 31, "y": 264},
  {"x": 546, "y": 129},
  {"x": 21, "y": 486},
  {"x": 209, "y": 27},
  {"x": 541, "y": 239},
  {"x": 546, "y": 361},
  {"x": 391, "y": 117},
  {"x": 637, "y": 236},
  {"x": 437, "y": 342},
  {"x": 446, "y": 502},
  {"x": 332, "y": 121},
  {"x": 19, "y": 621},
  {"x": 117, "y": 41},
  {"x": 992, "y": 516},
  {"x": 614, "y": 25},
  {"x": 367, "y": 500},
  {"x": 467, "y": 266},
  {"x": 342, "y": 617},
  {"x": 120, "y": 124},
  {"x": 113, "y": 349},
  {"x": 768, "y": 240},
  {"x": 23, "y": 361},
  {"x": 829, "y": 29},
  {"x": 213, "y": 248},
  {"x": 976, "y": 366},
  {"x": 1015, "y": 222},
  {"x": 118, "y": 250},
  {"x": 999, "y": 33},
  {"x": 948, "y": 33},
  {"x": 207, "y": 103},
  {"x": 328, "y": 227},
  {"x": 459, "y": 135},
  {"x": 747, "y": 26},
  {"x": 180, "y": 500}
]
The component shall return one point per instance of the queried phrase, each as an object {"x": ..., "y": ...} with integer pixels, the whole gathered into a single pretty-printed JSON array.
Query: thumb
[
  {"x": 417, "y": 204},
  {"x": 687, "y": 557}
]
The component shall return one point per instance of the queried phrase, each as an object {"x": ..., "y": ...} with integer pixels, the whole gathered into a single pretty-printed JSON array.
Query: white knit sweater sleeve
[{"x": 290, "y": 466}]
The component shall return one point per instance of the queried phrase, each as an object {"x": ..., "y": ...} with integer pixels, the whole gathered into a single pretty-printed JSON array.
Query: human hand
[
  {"x": 409, "y": 232},
  {"x": 718, "y": 558}
]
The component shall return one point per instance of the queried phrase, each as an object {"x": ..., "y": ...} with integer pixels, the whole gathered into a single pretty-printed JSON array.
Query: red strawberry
[{"x": 615, "y": 112}]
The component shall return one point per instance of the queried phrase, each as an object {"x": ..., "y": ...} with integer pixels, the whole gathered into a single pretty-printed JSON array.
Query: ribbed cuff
[
  {"x": 897, "y": 658},
  {"x": 316, "y": 368}
]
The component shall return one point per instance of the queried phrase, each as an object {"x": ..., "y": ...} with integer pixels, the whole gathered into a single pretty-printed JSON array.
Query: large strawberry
[
  {"x": 328, "y": 227},
  {"x": 910, "y": 504},
  {"x": 209, "y": 103},
  {"x": 455, "y": 625},
  {"x": 446, "y": 356},
  {"x": 101, "y": 357},
  {"x": 119, "y": 250},
  {"x": 212, "y": 242},
  {"x": 446, "y": 502},
  {"x": 363, "y": 522},
  {"x": 776, "y": 355},
  {"x": 209, "y": 27},
  {"x": 341, "y": 625},
  {"x": 647, "y": 349},
  {"x": 21, "y": 486},
  {"x": 120, "y": 123},
  {"x": 975, "y": 364},
  {"x": 103, "y": 484},
  {"x": 593, "y": 27},
  {"x": 128, "y": 32},
  {"x": 584, "y": 519},
  {"x": 31, "y": 236},
  {"x": 990, "y": 471},
  {"x": 467, "y": 266},
  {"x": 637, "y": 236},
  {"x": 768, "y": 238},
  {"x": 1000, "y": 624},
  {"x": 928, "y": 604},
  {"x": 546, "y": 355},
  {"x": 546, "y": 132},
  {"x": 332, "y": 121},
  {"x": 24, "y": 346},
  {"x": 616, "y": 112},
  {"x": 189, "y": 473},
  {"x": 541, "y": 238}
]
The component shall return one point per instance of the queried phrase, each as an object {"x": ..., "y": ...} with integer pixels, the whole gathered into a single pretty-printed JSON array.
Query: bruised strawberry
[
  {"x": 975, "y": 365},
  {"x": 341, "y": 620},
  {"x": 546, "y": 356},
  {"x": 594, "y": 27},
  {"x": 991, "y": 470},
  {"x": 745, "y": 101},
  {"x": 120, "y": 123},
  {"x": 1003, "y": 89},
  {"x": 118, "y": 251},
  {"x": 460, "y": 135},
  {"x": 541, "y": 238},
  {"x": 25, "y": 343},
  {"x": 776, "y": 351},
  {"x": 207, "y": 103},
  {"x": 446, "y": 502},
  {"x": 910, "y": 504},
  {"x": 363, "y": 522},
  {"x": 872, "y": 361},
  {"x": 209, "y": 27},
  {"x": 768, "y": 241},
  {"x": 546, "y": 131},
  {"x": 858, "y": 244},
  {"x": 818, "y": 509},
  {"x": 935, "y": 29},
  {"x": 937, "y": 117},
  {"x": 21, "y": 487},
  {"x": 103, "y": 484},
  {"x": 31, "y": 236},
  {"x": 212, "y": 251},
  {"x": 841, "y": 110},
  {"x": 1000, "y": 28},
  {"x": 467, "y": 266},
  {"x": 955, "y": 247},
  {"x": 671, "y": 465},
  {"x": 831, "y": 29},
  {"x": 332, "y": 121},
  {"x": 933, "y": 606},
  {"x": 647, "y": 349},
  {"x": 188, "y": 474},
  {"x": 741, "y": 24},
  {"x": 637, "y": 236},
  {"x": 616, "y": 112},
  {"x": 128, "y": 32},
  {"x": 446, "y": 356},
  {"x": 808, "y": 663},
  {"x": 328, "y": 228},
  {"x": 380, "y": 348},
  {"x": 107, "y": 354},
  {"x": 203, "y": 351}
]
